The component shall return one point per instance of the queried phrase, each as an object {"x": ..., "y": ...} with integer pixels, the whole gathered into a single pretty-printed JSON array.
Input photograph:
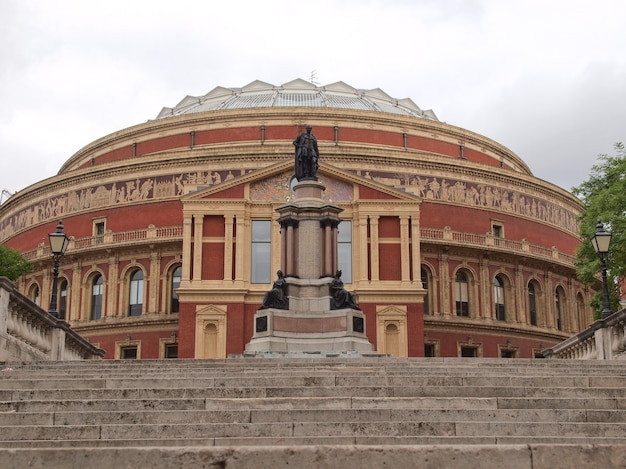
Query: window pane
[
  {"x": 261, "y": 230},
  {"x": 136, "y": 293},
  {"x": 261, "y": 263},
  {"x": 96, "y": 298},
  {"x": 261, "y": 251},
  {"x": 498, "y": 295},
  {"x": 344, "y": 250},
  {"x": 129, "y": 353},
  {"x": 532, "y": 304},
  {"x": 424, "y": 275},
  {"x": 461, "y": 292},
  {"x": 176, "y": 279},
  {"x": 63, "y": 299}
]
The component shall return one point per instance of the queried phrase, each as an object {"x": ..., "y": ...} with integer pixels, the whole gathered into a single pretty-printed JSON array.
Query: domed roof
[{"x": 300, "y": 93}]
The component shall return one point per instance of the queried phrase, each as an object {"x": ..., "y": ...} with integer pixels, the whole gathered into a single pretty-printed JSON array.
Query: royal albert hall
[{"x": 451, "y": 245}]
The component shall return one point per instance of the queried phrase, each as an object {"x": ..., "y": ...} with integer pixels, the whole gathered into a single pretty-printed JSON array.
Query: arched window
[
  {"x": 583, "y": 320},
  {"x": 558, "y": 306},
  {"x": 62, "y": 299},
  {"x": 499, "y": 298},
  {"x": 461, "y": 294},
  {"x": 135, "y": 300},
  {"x": 532, "y": 304},
  {"x": 175, "y": 283},
  {"x": 425, "y": 285},
  {"x": 96, "y": 297},
  {"x": 34, "y": 294}
]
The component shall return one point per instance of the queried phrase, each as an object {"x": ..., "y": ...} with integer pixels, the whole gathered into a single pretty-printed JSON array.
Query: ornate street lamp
[
  {"x": 58, "y": 245},
  {"x": 601, "y": 241}
]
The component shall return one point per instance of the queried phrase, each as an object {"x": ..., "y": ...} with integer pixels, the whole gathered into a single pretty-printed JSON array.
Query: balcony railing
[
  {"x": 120, "y": 238},
  {"x": 438, "y": 236},
  {"x": 447, "y": 236}
]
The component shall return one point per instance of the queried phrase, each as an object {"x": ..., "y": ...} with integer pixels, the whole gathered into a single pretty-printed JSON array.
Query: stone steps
[{"x": 152, "y": 407}]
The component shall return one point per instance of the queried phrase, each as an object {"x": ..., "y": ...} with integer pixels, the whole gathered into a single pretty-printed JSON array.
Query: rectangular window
[
  {"x": 261, "y": 251},
  {"x": 469, "y": 352},
  {"x": 429, "y": 350},
  {"x": 344, "y": 250},
  {"x": 98, "y": 230},
  {"x": 171, "y": 351},
  {"x": 497, "y": 229},
  {"x": 129, "y": 353}
]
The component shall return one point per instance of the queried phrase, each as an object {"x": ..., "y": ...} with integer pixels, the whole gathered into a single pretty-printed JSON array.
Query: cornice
[
  {"x": 116, "y": 325},
  {"x": 294, "y": 116},
  {"x": 488, "y": 327}
]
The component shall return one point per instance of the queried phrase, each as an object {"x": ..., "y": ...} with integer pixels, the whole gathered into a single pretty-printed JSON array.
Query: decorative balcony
[{"x": 428, "y": 235}]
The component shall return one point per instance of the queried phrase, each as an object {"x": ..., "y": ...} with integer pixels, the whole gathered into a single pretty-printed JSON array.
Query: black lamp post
[
  {"x": 58, "y": 245},
  {"x": 601, "y": 241}
]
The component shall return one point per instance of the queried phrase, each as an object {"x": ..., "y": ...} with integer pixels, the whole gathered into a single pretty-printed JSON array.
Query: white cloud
[{"x": 542, "y": 78}]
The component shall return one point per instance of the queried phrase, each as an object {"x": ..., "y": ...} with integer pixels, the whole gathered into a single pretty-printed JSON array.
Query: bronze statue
[
  {"x": 306, "y": 156},
  {"x": 341, "y": 298},
  {"x": 277, "y": 296}
]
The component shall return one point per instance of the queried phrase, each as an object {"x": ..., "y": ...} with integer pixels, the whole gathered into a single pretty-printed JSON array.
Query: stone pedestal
[{"x": 309, "y": 263}]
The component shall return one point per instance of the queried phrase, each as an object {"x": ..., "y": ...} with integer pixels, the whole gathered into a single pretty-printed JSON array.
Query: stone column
[
  {"x": 154, "y": 285},
  {"x": 328, "y": 249},
  {"x": 289, "y": 250},
  {"x": 375, "y": 267},
  {"x": 416, "y": 260},
  {"x": 405, "y": 258},
  {"x": 363, "y": 249},
  {"x": 197, "y": 247},
  {"x": 444, "y": 274},
  {"x": 484, "y": 304},
  {"x": 335, "y": 245},
  {"x": 241, "y": 243},
  {"x": 518, "y": 292},
  {"x": 74, "y": 307},
  {"x": 228, "y": 247},
  {"x": 186, "y": 273},
  {"x": 113, "y": 284}
]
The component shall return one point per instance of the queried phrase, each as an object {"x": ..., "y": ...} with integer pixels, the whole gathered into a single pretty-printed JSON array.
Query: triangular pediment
[{"x": 272, "y": 184}]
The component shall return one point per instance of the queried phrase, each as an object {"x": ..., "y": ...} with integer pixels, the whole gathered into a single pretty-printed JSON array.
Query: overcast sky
[{"x": 545, "y": 78}]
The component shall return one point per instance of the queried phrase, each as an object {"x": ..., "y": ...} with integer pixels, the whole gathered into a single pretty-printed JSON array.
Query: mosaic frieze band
[{"x": 277, "y": 188}]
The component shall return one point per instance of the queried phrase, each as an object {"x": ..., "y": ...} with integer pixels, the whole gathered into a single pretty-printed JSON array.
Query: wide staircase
[{"x": 314, "y": 412}]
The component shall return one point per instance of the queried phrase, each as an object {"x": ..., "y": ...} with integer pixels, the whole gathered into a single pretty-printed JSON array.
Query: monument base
[{"x": 278, "y": 330}]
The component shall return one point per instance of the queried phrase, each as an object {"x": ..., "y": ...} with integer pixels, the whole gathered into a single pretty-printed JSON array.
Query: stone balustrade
[
  {"x": 121, "y": 238},
  {"x": 605, "y": 339},
  {"x": 28, "y": 333},
  {"x": 431, "y": 235}
]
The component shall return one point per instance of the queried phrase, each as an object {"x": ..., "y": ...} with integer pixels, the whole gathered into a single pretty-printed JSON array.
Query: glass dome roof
[{"x": 301, "y": 93}]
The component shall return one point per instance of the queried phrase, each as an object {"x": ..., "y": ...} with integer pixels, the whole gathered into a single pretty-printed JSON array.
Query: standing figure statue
[{"x": 306, "y": 155}]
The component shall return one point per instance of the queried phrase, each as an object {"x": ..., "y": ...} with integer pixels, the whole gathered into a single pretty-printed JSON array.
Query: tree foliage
[
  {"x": 12, "y": 263},
  {"x": 604, "y": 197}
]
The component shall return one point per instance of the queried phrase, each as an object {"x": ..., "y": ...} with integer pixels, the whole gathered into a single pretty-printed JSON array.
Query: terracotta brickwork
[{"x": 421, "y": 196}]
